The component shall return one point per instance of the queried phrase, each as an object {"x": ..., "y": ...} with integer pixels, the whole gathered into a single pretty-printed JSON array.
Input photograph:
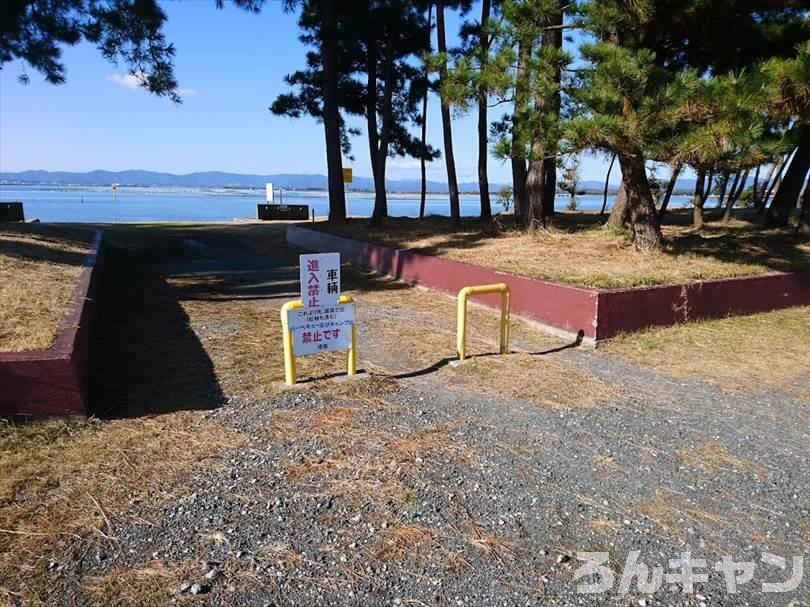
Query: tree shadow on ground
[
  {"x": 146, "y": 358},
  {"x": 777, "y": 250},
  {"x": 46, "y": 243},
  {"x": 443, "y": 362}
]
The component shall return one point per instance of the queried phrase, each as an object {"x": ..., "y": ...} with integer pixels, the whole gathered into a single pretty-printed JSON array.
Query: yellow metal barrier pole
[
  {"x": 461, "y": 315},
  {"x": 505, "y": 321},
  {"x": 461, "y": 322},
  {"x": 351, "y": 357},
  {"x": 289, "y": 356}
]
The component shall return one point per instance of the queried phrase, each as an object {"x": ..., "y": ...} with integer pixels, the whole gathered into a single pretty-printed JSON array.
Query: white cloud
[
  {"x": 131, "y": 81},
  {"x": 138, "y": 79}
]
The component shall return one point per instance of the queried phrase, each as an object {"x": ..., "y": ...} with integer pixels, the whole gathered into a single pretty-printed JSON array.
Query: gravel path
[{"x": 415, "y": 492}]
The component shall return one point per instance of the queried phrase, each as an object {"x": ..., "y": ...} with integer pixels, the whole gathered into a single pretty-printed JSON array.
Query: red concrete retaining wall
[
  {"x": 569, "y": 309},
  {"x": 36, "y": 384},
  {"x": 598, "y": 313},
  {"x": 631, "y": 309}
]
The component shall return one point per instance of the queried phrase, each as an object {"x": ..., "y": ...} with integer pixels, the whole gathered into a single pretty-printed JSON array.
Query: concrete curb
[
  {"x": 598, "y": 313},
  {"x": 44, "y": 383}
]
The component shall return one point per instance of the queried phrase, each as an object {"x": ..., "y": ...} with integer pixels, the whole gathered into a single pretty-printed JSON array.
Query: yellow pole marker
[
  {"x": 351, "y": 357},
  {"x": 505, "y": 303},
  {"x": 290, "y": 376},
  {"x": 463, "y": 295},
  {"x": 289, "y": 357}
]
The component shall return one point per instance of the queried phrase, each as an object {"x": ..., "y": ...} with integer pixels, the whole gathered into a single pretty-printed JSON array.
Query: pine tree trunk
[
  {"x": 422, "y": 161},
  {"x": 777, "y": 176},
  {"x": 380, "y": 154},
  {"x": 331, "y": 112},
  {"x": 552, "y": 38},
  {"x": 721, "y": 196},
  {"x": 549, "y": 197},
  {"x": 534, "y": 194},
  {"x": 607, "y": 183},
  {"x": 709, "y": 187},
  {"x": 483, "y": 124},
  {"x": 699, "y": 199},
  {"x": 754, "y": 187},
  {"x": 389, "y": 83},
  {"x": 519, "y": 189},
  {"x": 519, "y": 169},
  {"x": 378, "y": 214},
  {"x": 733, "y": 196},
  {"x": 643, "y": 216},
  {"x": 668, "y": 193},
  {"x": 759, "y": 201},
  {"x": 730, "y": 202},
  {"x": 803, "y": 229},
  {"x": 619, "y": 213},
  {"x": 789, "y": 190},
  {"x": 449, "y": 158}
]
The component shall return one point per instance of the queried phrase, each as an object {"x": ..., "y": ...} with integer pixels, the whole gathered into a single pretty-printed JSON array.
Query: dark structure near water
[
  {"x": 11, "y": 211},
  {"x": 293, "y": 212}
]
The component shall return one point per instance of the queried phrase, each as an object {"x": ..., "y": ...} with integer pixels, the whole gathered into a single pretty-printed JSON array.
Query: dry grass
[
  {"x": 70, "y": 479},
  {"x": 39, "y": 266},
  {"x": 675, "y": 520},
  {"x": 402, "y": 541},
  {"x": 362, "y": 463},
  {"x": 604, "y": 526},
  {"x": 419, "y": 326},
  {"x": 737, "y": 354},
  {"x": 712, "y": 458},
  {"x": 254, "y": 367},
  {"x": 542, "y": 380},
  {"x": 402, "y": 330},
  {"x": 149, "y": 585},
  {"x": 579, "y": 251},
  {"x": 490, "y": 545},
  {"x": 418, "y": 446}
]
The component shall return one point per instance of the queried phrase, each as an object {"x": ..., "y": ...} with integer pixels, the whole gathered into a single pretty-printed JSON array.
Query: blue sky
[{"x": 230, "y": 65}]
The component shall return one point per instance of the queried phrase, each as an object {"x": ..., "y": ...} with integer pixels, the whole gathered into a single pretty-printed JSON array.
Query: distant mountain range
[{"x": 217, "y": 179}]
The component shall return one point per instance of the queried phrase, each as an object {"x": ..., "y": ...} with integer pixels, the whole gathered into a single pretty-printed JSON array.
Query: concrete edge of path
[
  {"x": 566, "y": 309},
  {"x": 43, "y": 383}
]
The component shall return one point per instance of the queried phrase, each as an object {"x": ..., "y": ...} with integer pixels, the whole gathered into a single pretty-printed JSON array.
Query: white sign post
[
  {"x": 320, "y": 279},
  {"x": 323, "y": 324},
  {"x": 268, "y": 192}
]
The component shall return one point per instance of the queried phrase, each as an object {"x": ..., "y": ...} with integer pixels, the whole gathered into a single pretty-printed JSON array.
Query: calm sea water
[{"x": 140, "y": 204}]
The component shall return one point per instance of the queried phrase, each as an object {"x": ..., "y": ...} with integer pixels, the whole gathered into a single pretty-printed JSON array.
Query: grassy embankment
[{"x": 579, "y": 251}]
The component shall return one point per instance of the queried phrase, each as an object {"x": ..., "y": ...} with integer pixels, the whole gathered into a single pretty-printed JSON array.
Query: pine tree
[
  {"x": 619, "y": 102},
  {"x": 325, "y": 87},
  {"x": 447, "y": 128},
  {"x": 126, "y": 30},
  {"x": 789, "y": 98},
  {"x": 391, "y": 34}
]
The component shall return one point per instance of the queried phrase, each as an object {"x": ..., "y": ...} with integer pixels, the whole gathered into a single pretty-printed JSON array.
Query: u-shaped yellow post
[
  {"x": 463, "y": 295},
  {"x": 290, "y": 376}
]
